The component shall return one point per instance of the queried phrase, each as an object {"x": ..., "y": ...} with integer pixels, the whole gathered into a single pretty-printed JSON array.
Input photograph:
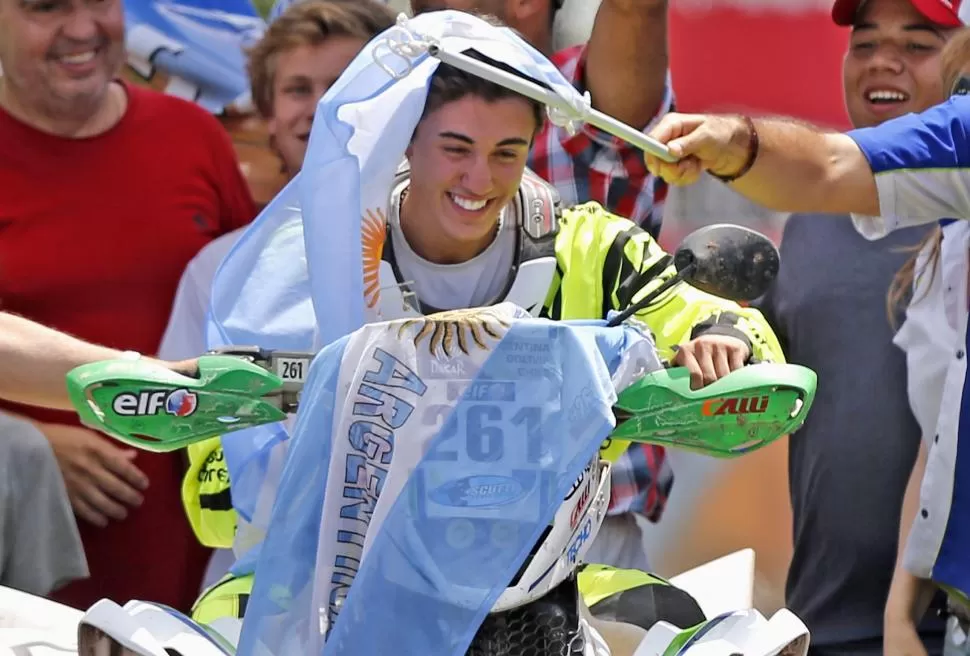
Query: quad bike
[
  {"x": 162, "y": 411},
  {"x": 242, "y": 387},
  {"x": 159, "y": 410}
]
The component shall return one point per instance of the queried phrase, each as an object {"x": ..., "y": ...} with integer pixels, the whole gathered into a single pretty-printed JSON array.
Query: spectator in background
[
  {"x": 108, "y": 191},
  {"x": 930, "y": 336},
  {"x": 624, "y": 68},
  {"x": 300, "y": 56},
  {"x": 849, "y": 463}
]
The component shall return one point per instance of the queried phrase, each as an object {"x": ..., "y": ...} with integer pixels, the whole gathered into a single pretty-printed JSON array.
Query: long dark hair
[{"x": 954, "y": 60}]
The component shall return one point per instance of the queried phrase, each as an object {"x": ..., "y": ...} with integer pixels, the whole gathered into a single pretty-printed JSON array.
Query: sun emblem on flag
[
  {"x": 373, "y": 230},
  {"x": 461, "y": 329}
]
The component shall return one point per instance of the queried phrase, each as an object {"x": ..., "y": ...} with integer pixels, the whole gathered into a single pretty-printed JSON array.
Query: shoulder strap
[{"x": 540, "y": 206}]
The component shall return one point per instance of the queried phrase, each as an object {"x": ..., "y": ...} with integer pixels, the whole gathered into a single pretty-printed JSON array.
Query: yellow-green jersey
[{"x": 604, "y": 262}]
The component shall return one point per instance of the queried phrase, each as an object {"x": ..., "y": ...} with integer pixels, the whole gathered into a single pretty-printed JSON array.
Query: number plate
[{"x": 292, "y": 370}]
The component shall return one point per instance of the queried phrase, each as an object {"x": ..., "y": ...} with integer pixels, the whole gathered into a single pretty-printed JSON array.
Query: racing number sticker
[
  {"x": 484, "y": 433},
  {"x": 292, "y": 370}
]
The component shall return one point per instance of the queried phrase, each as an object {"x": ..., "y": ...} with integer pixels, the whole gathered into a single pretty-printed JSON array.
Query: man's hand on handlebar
[{"x": 711, "y": 357}]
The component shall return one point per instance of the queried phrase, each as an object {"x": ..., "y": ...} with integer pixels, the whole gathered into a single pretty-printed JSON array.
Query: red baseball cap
[{"x": 948, "y": 13}]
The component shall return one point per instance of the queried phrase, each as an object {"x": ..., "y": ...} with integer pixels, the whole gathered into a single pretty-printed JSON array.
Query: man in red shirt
[{"x": 108, "y": 191}]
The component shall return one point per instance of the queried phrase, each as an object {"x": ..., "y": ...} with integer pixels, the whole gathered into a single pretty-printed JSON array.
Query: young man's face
[
  {"x": 61, "y": 55},
  {"x": 467, "y": 159},
  {"x": 892, "y": 65},
  {"x": 303, "y": 74}
]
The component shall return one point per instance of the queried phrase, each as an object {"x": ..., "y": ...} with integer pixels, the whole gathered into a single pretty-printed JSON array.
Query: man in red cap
[
  {"x": 849, "y": 464},
  {"x": 892, "y": 66},
  {"x": 939, "y": 12}
]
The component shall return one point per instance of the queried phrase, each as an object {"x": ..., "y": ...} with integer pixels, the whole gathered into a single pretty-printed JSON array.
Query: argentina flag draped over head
[
  {"x": 197, "y": 45},
  {"x": 306, "y": 272},
  {"x": 411, "y": 496}
]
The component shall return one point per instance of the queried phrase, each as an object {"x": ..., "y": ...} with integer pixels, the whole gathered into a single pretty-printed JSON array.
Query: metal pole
[{"x": 532, "y": 90}]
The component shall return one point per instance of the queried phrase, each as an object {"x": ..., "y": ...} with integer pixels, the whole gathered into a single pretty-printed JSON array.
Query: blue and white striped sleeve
[{"x": 921, "y": 163}]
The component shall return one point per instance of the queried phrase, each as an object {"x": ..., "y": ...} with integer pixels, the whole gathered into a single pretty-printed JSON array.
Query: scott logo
[
  {"x": 180, "y": 403},
  {"x": 478, "y": 492},
  {"x": 735, "y": 406}
]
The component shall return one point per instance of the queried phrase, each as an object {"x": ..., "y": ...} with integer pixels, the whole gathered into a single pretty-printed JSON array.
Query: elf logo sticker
[{"x": 180, "y": 403}]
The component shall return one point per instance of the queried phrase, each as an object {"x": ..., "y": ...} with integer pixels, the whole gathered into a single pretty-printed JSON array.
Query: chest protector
[{"x": 535, "y": 210}]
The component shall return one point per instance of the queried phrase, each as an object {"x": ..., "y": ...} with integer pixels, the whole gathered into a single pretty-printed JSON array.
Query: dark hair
[
  {"x": 954, "y": 59},
  {"x": 449, "y": 83}
]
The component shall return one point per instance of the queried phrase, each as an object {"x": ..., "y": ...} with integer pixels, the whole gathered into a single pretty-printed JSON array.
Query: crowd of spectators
[{"x": 120, "y": 202}]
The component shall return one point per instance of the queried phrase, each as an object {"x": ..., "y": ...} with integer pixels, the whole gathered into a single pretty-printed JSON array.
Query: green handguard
[
  {"x": 741, "y": 412},
  {"x": 153, "y": 408},
  {"x": 156, "y": 409}
]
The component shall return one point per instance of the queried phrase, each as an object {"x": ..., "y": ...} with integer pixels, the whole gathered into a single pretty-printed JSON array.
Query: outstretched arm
[
  {"x": 909, "y": 170},
  {"x": 34, "y": 361},
  {"x": 626, "y": 60},
  {"x": 795, "y": 168},
  {"x": 909, "y": 595}
]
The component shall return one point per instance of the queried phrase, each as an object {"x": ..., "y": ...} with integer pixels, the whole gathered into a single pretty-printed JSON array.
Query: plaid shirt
[{"x": 594, "y": 165}]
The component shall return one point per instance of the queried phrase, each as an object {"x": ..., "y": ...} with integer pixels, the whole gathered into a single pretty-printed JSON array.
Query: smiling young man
[
  {"x": 624, "y": 66},
  {"x": 458, "y": 240},
  {"x": 457, "y": 237},
  {"x": 892, "y": 66}
]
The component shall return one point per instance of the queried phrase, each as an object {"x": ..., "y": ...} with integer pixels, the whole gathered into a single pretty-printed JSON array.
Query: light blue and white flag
[
  {"x": 306, "y": 272},
  {"x": 197, "y": 44},
  {"x": 427, "y": 459}
]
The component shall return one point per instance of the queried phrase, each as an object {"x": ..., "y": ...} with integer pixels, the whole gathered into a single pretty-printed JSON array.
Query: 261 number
[
  {"x": 291, "y": 370},
  {"x": 484, "y": 434}
]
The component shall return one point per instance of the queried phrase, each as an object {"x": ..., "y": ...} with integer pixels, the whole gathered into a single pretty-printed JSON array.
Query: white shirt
[
  {"x": 475, "y": 283},
  {"x": 184, "y": 336},
  {"x": 921, "y": 164},
  {"x": 933, "y": 338}
]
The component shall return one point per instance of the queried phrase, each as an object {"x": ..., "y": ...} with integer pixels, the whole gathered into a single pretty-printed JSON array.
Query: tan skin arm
[
  {"x": 798, "y": 168},
  {"x": 909, "y": 595},
  {"x": 627, "y": 61},
  {"x": 34, "y": 361}
]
